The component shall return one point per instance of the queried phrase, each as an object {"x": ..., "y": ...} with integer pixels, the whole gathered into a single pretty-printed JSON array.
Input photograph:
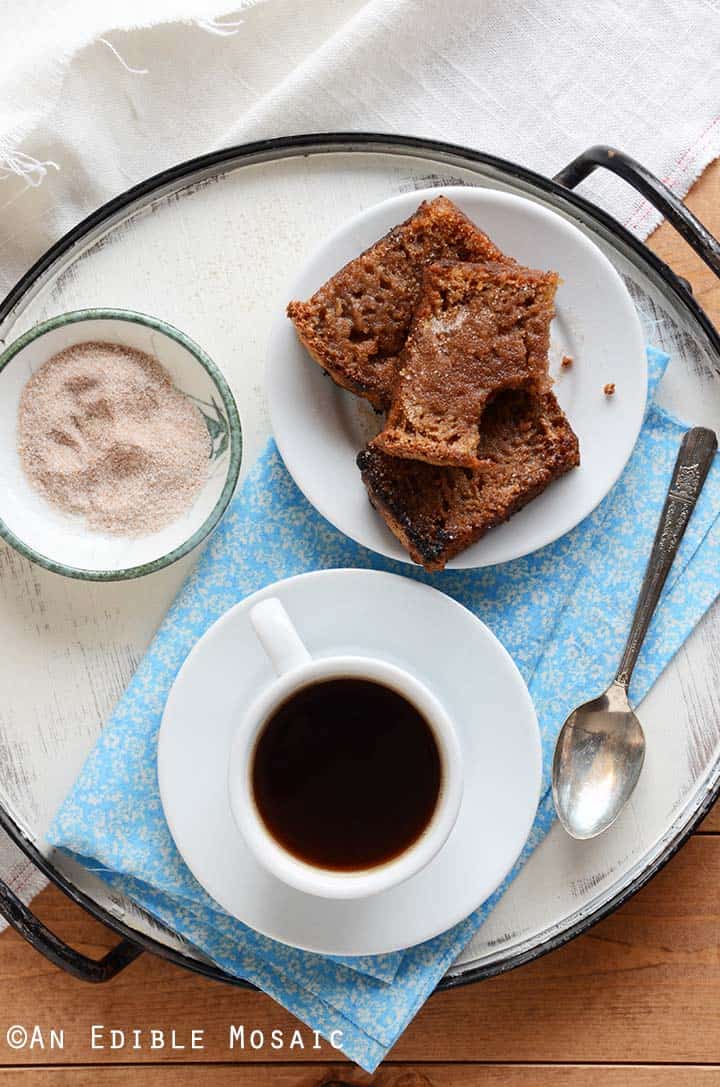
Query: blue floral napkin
[{"x": 562, "y": 612}]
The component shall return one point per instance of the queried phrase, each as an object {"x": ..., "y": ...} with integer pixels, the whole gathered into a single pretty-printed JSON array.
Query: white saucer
[
  {"x": 319, "y": 427},
  {"x": 411, "y": 625}
]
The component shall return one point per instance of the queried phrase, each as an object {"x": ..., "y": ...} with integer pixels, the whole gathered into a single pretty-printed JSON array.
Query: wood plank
[
  {"x": 427, "y": 1075},
  {"x": 711, "y": 822},
  {"x": 647, "y": 979}
]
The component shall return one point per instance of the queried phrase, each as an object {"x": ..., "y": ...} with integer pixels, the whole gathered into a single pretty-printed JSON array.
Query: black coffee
[{"x": 346, "y": 774}]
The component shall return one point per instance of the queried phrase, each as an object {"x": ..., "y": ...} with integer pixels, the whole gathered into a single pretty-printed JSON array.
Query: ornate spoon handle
[{"x": 691, "y": 468}]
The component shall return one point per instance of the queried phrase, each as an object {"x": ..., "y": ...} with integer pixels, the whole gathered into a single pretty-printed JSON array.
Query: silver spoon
[{"x": 601, "y": 748}]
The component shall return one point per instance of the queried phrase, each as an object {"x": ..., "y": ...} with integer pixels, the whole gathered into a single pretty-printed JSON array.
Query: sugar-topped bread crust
[
  {"x": 436, "y": 512},
  {"x": 478, "y": 329},
  {"x": 356, "y": 324}
]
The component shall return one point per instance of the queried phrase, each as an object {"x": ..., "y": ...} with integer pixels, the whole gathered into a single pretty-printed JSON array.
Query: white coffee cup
[{"x": 296, "y": 669}]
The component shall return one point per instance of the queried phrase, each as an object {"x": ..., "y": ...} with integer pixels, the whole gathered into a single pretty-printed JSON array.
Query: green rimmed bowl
[{"x": 62, "y": 542}]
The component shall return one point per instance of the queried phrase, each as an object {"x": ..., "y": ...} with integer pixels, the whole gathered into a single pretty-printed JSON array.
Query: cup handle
[{"x": 278, "y": 636}]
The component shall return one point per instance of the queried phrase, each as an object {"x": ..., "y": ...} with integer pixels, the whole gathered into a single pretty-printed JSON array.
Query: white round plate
[
  {"x": 375, "y": 614},
  {"x": 319, "y": 427}
]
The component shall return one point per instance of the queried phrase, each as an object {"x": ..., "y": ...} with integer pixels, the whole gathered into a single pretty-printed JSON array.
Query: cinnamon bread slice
[
  {"x": 436, "y": 512},
  {"x": 355, "y": 325},
  {"x": 478, "y": 329}
]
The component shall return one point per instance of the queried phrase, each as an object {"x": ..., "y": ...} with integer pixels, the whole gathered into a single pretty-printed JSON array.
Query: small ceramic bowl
[{"x": 62, "y": 542}]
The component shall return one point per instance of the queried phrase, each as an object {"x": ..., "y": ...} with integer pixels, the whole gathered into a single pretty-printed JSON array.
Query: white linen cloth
[{"x": 96, "y": 96}]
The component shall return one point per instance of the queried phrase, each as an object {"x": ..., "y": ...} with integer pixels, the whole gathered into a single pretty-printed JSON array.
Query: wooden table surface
[{"x": 634, "y": 1001}]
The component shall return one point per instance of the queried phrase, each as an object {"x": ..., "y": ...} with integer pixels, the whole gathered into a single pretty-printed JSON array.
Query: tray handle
[
  {"x": 24, "y": 921},
  {"x": 653, "y": 189}
]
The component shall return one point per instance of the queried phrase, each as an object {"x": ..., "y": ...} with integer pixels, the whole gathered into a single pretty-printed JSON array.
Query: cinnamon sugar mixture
[{"x": 103, "y": 432}]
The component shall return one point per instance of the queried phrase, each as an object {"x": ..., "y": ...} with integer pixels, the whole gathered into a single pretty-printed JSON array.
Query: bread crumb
[
  {"x": 609, "y": 389},
  {"x": 567, "y": 361}
]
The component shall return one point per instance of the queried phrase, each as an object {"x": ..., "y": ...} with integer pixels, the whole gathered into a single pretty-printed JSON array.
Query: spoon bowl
[{"x": 597, "y": 763}]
